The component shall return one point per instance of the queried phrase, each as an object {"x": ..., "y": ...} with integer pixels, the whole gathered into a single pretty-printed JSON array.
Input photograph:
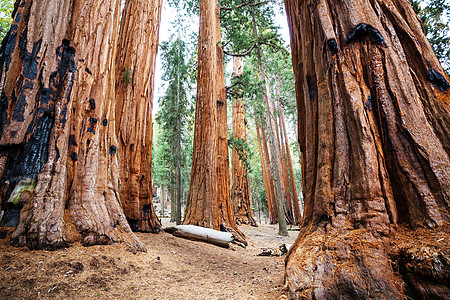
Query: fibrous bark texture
[
  {"x": 135, "y": 72},
  {"x": 373, "y": 106},
  {"x": 209, "y": 201},
  {"x": 57, "y": 81},
  {"x": 240, "y": 193}
]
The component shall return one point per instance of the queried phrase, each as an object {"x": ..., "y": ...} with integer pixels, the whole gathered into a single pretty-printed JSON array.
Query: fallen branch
[{"x": 198, "y": 233}]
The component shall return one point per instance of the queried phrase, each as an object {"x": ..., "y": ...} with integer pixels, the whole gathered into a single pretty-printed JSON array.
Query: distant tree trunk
[
  {"x": 173, "y": 209},
  {"x": 284, "y": 171},
  {"x": 239, "y": 182},
  {"x": 209, "y": 202},
  {"x": 57, "y": 81},
  {"x": 374, "y": 119},
  {"x": 135, "y": 72},
  {"x": 265, "y": 164},
  {"x": 272, "y": 139},
  {"x": 295, "y": 202}
]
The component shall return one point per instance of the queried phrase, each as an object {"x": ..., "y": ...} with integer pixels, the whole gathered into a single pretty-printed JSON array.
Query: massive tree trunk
[
  {"x": 239, "y": 181},
  {"x": 267, "y": 173},
  {"x": 209, "y": 201},
  {"x": 374, "y": 117},
  {"x": 135, "y": 70},
  {"x": 57, "y": 81},
  {"x": 202, "y": 207}
]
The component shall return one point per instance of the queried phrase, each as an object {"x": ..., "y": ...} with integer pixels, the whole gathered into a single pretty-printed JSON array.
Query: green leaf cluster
[
  {"x": 6, "y": 9},
  {"x": 435, "y": 15},
  {"x": 243, "y": 150}
]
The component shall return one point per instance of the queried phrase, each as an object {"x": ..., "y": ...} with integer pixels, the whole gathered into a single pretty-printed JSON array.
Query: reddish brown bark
[
  {"x": 240, "y": 191},
  {"x": 265, "y": 160},
  {"x": 202, "y": 207},
  {"x": 373, "y": 106},
  {"x": 135, "y": 72},
  {"x": 57, "y": 139},
  {"x": 209, "y": 201}
]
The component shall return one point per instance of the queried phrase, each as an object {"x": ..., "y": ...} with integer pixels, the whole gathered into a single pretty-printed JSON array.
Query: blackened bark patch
[
  {"x": 311, "y": 89},
  {"x": 26, "y": 159},
  {"x": 105, "y": 122},
  {"x": 112, "y": 150},
  {"x": 368, "y": 104},
  {"x": 19, "y": 109},
  {"x": 88, "y": 71},
  {"x": 93, "y": 120},
  {"x": 72, "y": 141},
  {"x": 7, "y": 48},
  {"x": 438, "y": 80},
  {"x": 365, "y": 30},
  {"x": 91, "y": 130},
  {"x": 92, "y": 103},
  {"x": 332, "y": 46},
  {"x": 30, "y": 60},
  {"x": 74, "y": 156}
]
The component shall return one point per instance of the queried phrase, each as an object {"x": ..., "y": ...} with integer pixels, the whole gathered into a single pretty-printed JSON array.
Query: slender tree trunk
[
  {"x": 284, "y": 171},
  {"x": 57, "y": 80},
  {"x": 173, "y": 208},
  {"x": 273, "y": 142},
  {"x": 273, "y": 210},
  {"x": 295, "y": 202},
  {"x": 374, "y": 116},
  {"x": 239, "y": 180},
  {"x": 135, "y": 70}
]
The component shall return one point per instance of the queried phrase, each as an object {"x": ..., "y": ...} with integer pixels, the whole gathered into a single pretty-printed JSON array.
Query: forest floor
[{"x": 172, "y": 268}]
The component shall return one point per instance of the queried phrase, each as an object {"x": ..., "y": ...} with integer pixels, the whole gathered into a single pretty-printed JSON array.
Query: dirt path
[{"x": 172, "y": 268}]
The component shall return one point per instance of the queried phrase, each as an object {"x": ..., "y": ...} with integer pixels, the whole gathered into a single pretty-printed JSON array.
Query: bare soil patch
[{"x": 172, "y": 268}]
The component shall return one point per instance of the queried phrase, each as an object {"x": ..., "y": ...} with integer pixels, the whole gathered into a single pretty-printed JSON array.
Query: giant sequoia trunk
[
  {"x": 135, "y": 72},
  {"x": 373, "y": 106},
  {"x": 240, "y": 192},
  {"x": 57, "y": 100},
  {"x": 209, "y": 202}
]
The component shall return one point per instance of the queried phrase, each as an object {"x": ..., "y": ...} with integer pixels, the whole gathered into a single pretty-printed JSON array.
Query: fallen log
[{"x": 197, "y": 233}]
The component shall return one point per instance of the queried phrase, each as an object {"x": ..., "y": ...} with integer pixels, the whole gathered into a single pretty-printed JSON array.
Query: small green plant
[
  {"x": 243, "y": 150},
  {"x": 126, "y": 75}
]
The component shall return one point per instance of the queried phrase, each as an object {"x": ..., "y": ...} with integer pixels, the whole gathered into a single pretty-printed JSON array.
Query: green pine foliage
[
  {"x": 175, "y": 116},
  {"x": 6, "y": 9},
  {"x": 435, "y": 15},
  {"x": 238, "y": 23}
]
